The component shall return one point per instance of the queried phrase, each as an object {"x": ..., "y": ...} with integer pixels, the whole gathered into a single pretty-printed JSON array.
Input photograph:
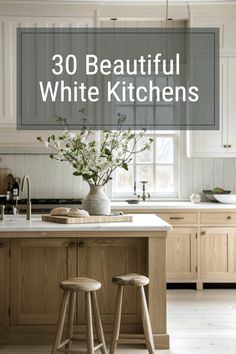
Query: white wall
[
  {"x": 54, "y": 179},
  {"x": 206, "y": 173},
  {"x": 49, "y": 178}
]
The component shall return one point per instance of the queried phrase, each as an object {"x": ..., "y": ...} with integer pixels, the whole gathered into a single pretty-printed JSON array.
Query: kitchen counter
[
  {"x": 147, "y": 222},
  {"x": 149, "y": 205}
]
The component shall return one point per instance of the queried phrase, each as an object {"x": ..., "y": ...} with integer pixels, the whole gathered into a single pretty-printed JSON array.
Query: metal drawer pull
[
  {"x": 176, "y": 217},
  {"x": 72, "y": 244}
]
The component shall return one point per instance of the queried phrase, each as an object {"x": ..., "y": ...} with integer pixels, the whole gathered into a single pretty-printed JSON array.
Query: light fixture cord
[{"x": 167, "y": 51}]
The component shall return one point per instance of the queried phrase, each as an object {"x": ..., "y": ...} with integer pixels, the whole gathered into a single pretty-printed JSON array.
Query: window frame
[{"x": 175, "y": 164}]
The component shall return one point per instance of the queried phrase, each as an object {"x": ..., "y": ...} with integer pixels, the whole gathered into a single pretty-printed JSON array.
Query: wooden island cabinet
[
  {"x": 35, "y": 256},
  {"x": 4, "y": 281},
  {"x": 37, "y": 267}
]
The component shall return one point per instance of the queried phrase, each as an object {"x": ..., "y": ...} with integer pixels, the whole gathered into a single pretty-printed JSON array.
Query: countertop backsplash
[{"x": 55, "y": 180}]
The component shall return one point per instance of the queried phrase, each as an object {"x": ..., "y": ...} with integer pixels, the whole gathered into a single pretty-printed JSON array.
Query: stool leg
[
  {"x": 117, "y": 319},
  {"x": 89, "y": 323},
  {"x": 61, "y": 321},
  {"x": 98, "y": 322},
  {"x": 71, "y": 315},
  {"x": 146, "y": 321}
]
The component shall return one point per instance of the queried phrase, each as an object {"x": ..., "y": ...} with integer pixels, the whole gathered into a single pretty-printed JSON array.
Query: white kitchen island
[{"x": 43, "y": 253}]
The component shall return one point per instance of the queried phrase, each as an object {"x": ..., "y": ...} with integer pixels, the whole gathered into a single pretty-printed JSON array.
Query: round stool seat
[
  {"x": 130, "y": 279},
  {"x": 80, "y": 284}
]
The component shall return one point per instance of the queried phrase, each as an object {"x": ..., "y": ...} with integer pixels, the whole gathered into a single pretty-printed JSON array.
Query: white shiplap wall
[
  {"x": 206, "y": 173},
  {"x": 54, "y": 179},
  {"x": 49, "y": 178}
]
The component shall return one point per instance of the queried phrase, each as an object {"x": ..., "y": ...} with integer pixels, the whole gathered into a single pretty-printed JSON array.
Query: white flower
[
  {"x": 72, "y": 135},
  {"x": 46, "y": 144}
]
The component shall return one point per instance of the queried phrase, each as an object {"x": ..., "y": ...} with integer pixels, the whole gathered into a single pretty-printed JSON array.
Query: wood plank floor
[{"x": 198, "y": 323}]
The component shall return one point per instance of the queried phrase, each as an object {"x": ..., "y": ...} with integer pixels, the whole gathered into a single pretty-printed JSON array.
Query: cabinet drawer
[
  {"x": 179, "y": 218},
  {"x": 218, "y": 218}
]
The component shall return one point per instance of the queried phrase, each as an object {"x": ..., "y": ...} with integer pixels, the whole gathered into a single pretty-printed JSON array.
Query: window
[{"x": 157, "y": 166}]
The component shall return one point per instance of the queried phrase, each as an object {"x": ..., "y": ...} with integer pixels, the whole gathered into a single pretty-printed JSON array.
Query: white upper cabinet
[
  {"x": 221, "y": 143},
  {"x": 222, "y": 17},
  {"x": 8, "y": 27},
  {"x": 211, "y": 143}
]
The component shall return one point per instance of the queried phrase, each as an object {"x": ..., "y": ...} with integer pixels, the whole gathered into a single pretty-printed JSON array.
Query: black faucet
[{"x": 145, "y": 194}]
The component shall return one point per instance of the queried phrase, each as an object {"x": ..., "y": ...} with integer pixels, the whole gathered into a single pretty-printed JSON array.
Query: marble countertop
[
  {"x": 149, "y": 205},
  {"x": 141, "y": 222}
]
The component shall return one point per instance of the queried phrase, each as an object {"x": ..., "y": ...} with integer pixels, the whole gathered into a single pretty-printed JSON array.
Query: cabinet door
[
  {"x": 9, "y": 136},
  {"x": 37, "y": 267},
  {"x": 231, "y": 105},
  {"x": 4, "y": 281},
  {"x": 182, "y": 254},
  {"x": 101, "y": 259},
  {"x": 212, "y": 143},
  {"x": 218, "y": 250}
]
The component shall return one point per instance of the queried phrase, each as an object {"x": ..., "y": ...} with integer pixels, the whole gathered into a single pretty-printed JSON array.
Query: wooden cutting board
[{"x": 87, "y": 220}]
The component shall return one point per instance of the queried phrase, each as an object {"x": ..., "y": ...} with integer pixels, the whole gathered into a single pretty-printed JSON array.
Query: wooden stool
[
  {"x": 138, "y": 281},
  {"x": 71, "y": 287}
]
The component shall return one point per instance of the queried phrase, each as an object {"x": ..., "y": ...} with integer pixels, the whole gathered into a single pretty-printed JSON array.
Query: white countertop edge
[
  {"x": 171, "y": 205},
  {"x": 141, "y": 222}
]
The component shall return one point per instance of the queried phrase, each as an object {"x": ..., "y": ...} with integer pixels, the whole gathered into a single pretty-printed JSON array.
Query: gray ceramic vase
[{"x": 97, "y": 202}]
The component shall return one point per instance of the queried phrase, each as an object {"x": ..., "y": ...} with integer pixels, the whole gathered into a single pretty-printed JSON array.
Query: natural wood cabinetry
[
  {"x": 197, "y": 251},
  {"x": 37, "y": 267},
  {"x": 101, "y": 259},
  {"x": 182, "y": 254},
  {"x": 223, "y": 218},
  {"x": 218, "y": 254},
  {"x": 4, "y": 281},
  {"x": 179, "y": 218}
]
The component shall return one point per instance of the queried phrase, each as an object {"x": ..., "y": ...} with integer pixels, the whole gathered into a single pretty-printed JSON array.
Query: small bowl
[
  {"x": 132, "y": 201},
  {"x": 226, "y": 198},
  {"x": 211, "y": 195}
]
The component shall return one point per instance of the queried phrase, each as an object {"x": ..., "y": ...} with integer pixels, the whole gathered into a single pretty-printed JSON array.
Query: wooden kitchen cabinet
[
  {"x": 101, "y": 259},
  {"x": 4, "y": 281},
  {"x": 182, "y": 254},
  {"x": 37, "y": 267},
  {"x": 218, "y": 254}
]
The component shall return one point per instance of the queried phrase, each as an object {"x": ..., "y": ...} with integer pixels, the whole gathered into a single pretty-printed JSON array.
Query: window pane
[
  {"x": 144, "y": 115},
  {"x": 165, "y": 178},
  {"x": 124, "y": 180},
  {"x": 145, "y": 173},
  {"x": 164, "y": 150},
  {"x": 129, "y": 112},
  {"x": 146, "y": 155},
  {"x": 165, "y": 115}
]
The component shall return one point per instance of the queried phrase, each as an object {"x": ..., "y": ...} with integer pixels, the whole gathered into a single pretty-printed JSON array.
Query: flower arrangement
[{"x": 94, "y": 160}]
